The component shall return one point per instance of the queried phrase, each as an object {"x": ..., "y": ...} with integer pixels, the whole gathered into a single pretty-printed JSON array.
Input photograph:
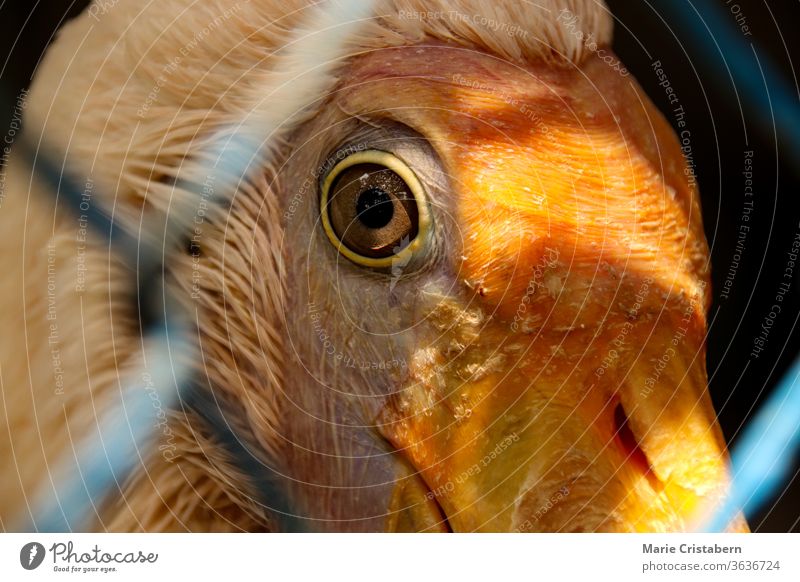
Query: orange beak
[{"x": 562, "y": 385}]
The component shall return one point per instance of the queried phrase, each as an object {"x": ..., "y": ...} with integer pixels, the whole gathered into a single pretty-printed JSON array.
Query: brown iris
[{"x": 372, "y": 210}]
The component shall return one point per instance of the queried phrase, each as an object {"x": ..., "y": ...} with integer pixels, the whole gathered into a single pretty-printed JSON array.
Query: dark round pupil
[{"x": 374, "y": 208}]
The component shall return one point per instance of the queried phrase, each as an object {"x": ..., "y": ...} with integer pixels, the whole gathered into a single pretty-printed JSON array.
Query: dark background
[{"x": 719, "y": 136}]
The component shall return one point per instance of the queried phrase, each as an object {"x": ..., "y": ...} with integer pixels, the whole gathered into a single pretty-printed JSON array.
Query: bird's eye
[{"x": 374, "y": 209}]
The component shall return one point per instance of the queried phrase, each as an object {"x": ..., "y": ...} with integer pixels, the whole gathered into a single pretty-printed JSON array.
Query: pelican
[{"x": 464, "y": 289}]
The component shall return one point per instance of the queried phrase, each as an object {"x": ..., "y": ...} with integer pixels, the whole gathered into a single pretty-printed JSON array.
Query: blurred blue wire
[
  {"x": 108, "y": 454},
  {"x": 763, "y": 455},
  {"x": 125, "y": 431}
]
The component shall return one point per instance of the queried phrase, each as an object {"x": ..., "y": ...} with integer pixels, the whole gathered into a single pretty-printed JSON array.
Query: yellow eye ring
[{"x": 422, "y": 216}]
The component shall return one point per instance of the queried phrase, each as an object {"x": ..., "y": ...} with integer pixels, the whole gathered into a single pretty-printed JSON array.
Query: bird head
[
  {"x": 536, "y": 363},
  {"x": 468, "y": 291}
]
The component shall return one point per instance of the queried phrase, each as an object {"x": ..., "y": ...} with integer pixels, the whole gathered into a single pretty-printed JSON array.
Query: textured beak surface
[{"x": 560, "y": 382}]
